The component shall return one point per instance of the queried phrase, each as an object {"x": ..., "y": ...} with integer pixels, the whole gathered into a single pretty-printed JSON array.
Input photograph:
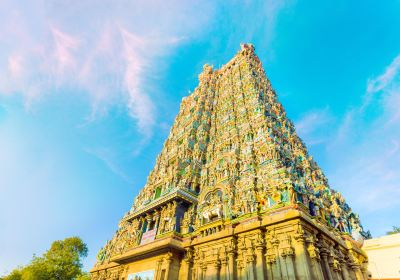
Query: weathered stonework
[{"x": 235, "y": 195}]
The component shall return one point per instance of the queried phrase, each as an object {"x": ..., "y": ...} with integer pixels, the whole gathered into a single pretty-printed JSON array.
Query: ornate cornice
[{"x": 173, "y": 195}]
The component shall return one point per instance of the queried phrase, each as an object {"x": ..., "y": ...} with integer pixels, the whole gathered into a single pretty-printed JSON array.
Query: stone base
[{"x": 284, "y": 244}]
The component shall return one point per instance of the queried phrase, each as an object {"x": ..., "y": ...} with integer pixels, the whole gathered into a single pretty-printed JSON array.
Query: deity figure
[
  {"x": 101, "y": 255},
  {"x": 212, "y": 206},
  {"x": 187, "y": 219},
  {"x": 284, "y": 196},
  {"x": 164, "y": 219},
  {"x": 271, "y": 201},
  {"x": 340, "y": 225},
  {"x": 336, "y": 212},
  {"x": 262, "y": 199},
  {"x": 230, "y": 200},
  {"x": 251, "y": 201},
  {"x": 311, "y": 207}
]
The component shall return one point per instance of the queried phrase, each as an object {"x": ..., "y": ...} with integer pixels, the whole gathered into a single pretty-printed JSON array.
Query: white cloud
[
  {"x": 313, "y": 126},
  {"x": 108, "y": 158},
  {"x": 134, "y": 49},
  {"x": 363, "y": 149},
  {"x": 111, "y": 52},
  {"x": 383, "y": 81}
]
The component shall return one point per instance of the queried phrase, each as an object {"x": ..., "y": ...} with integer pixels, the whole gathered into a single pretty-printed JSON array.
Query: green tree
[
  {"x": 61, "y": 262},
  {"x": 16, "y": 274},
  {"x": 394, "y": 231},
  {"x": 85, "y": 276}
]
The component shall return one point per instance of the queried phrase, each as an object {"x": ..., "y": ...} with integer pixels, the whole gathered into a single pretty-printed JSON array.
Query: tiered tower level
[{"x": 234, "y": 194}]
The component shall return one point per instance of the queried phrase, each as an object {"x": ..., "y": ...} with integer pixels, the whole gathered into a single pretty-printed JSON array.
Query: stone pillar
[
  {"x": 224, "y": 272},
  {"x": 240, "y": 271},
  {"x": 168, "y": 261},
  {"x": 158, "y": 269},
  {"x": 231, "y": 264},
  {"x": 272, "y": 272},
  {"x": 278, "y": 273},
  {"x": 157, "y": 219},
  {"x": 315, "y": 259},
  {"x": 317, "y": 268},
  {"x": 185, "y": 270},
  {"x": 364, "y": 271},
  {"x": 345, "y": 272},
  {"x": 194, "y": 273},
  {"x": 145, "y": 225},
  {"x": 351, "y": 272},
  {"x": 186, "y": 266},
  {"x": 291, "y": 273},
  {"x": 216, "y": 270},
  {"x": 301, "y": 260},
  {"x": 260, "y": 264},
  {"x": 282, "y": 267},
  {"x": 211, "y": 270},
  {"x": 203, "y": 270},
  {"x": 250, "y": 265},
  {"x": 336, "y": 272},
  {"x": 122, "y": 271},
  {"x": 357, "y": 272},
  {"x": 149, "y": 219},
  {"x": 199, "y": 271},
  {"x": 334, "y": 265},
  {"x": 325, "y": 262}
]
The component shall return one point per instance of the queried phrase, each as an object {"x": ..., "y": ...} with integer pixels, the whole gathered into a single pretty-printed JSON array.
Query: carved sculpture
[{"x": 232, "y": 154}]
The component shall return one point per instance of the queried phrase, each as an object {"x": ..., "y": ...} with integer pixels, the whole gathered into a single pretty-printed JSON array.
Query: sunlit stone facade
[{"x": 235, "y": 195}]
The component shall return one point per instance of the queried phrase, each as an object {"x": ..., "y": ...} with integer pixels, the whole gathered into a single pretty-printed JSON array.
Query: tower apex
[{"x": 247, "y": 46}]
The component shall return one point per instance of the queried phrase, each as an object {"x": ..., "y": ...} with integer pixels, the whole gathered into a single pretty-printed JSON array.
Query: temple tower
[{"x": 234, "y": 194}]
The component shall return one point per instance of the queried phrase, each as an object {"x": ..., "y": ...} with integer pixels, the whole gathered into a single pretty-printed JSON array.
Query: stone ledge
[
  {"x": 166, "y": 244},
  {"x": 109, "y": 265}
]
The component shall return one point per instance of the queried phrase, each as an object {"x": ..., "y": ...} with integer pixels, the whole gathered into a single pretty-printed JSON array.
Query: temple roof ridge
[{"x": 246, "y": 49}]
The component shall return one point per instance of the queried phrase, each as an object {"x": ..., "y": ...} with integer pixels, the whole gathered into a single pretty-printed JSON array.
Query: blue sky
[{"x": 88, "y": 92}]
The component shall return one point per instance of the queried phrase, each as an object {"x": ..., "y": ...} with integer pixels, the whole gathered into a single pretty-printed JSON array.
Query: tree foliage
[
  {"x": 85, "y": 276},
  {"x": 61, "y": 262},
  {"x": 394, "y": 230}
]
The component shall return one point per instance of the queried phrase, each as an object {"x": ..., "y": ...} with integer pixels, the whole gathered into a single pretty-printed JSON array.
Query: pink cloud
[
  {"x": 135, "y": 64},
  {"x": 102, "y": 50},
  {"x": 15, "y": 65},
  {"x": 63, "y": 51}
]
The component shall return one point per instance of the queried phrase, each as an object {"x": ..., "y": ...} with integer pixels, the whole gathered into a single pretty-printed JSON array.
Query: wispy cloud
[
  {"x": 363, "y": 149},
  {"x": 383, "y": 82},
  {"x": 313, "y": 126},
  {"x": 385, "y": 79},
  {"x": 106, "y": 156},
  {"x": 64, "y": 47},
  {"x": 111, "y": 52},
  {"x": 134, "y": 49}
]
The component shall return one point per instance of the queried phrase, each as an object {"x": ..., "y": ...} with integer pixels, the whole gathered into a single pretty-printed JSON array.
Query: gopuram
[{"x": 234, "y": 194}]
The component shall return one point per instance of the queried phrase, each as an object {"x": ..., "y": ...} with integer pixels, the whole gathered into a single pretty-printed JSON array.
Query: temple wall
[
  {"x": 160, "y": 267},
  {"x": 285, "y": 245},
  {"x": 289, "y": 250}
]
